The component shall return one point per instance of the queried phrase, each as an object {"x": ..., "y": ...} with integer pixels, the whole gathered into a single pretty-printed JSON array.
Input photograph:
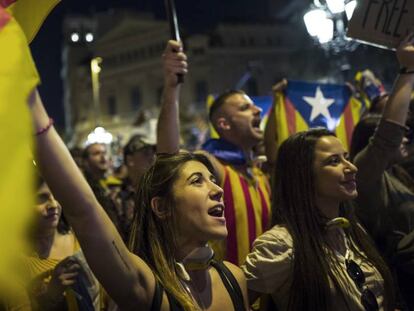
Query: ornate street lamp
[
  {"x": 95, "y": 71},
  {"x": 99, "y": 134},
  {"x": 326, "y": 22}
]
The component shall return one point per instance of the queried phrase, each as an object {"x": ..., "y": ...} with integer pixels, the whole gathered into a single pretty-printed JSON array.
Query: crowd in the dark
[{"x": 316, "y": 227}]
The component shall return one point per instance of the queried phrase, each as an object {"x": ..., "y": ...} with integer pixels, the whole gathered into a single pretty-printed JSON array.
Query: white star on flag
[{"x": 319, "y": 104}]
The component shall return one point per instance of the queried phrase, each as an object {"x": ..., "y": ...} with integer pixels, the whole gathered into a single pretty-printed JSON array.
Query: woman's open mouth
[
  {"x": 350, "y": 185},
  {"x": 216, "y": 211}
]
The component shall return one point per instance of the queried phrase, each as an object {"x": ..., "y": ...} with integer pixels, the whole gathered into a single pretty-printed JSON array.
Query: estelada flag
[
  {"x": 304, "y": 105},
  {"x": 30, "y": 14},
  {"x": 18, "y": 78}
]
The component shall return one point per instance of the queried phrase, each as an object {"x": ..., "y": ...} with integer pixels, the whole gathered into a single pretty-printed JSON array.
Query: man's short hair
[
  {"x": 85, "y": 152},
  {"x": 136, "y": 143},
  {"x": 220, "y": 100}
]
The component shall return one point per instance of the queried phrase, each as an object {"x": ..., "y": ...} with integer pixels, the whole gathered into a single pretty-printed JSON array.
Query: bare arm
[
  {"x": 396, "y": 108},
  {"x": 380, "y": 152},
  {"x": 126, "y": 278},
  {"x": 168, "y": 131},
  {"x": 270, "y": 134}
]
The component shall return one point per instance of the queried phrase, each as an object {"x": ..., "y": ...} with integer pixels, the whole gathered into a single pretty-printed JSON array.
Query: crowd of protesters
[{"x": 320, "y": 229}]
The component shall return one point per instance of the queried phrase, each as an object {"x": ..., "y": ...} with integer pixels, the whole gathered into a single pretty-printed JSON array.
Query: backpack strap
[
  {"x": 157, "y": 298},
  {"x": 231, "y": 284}
]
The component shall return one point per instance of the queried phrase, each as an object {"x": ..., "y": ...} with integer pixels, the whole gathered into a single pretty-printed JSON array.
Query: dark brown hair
[
  {"x": 294, "y": 206},
  {"x": 220, "y": 100},
  {"x": 154, "y": 239}
]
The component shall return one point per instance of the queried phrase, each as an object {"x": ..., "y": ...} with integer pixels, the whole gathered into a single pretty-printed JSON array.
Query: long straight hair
[
  {"x": 154, "y": 239},
  {"x": 294, "y": 206}
]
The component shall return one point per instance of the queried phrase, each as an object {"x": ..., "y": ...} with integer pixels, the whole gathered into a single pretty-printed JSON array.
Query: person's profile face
[
  {"x": 199, "y": 205},
  {"x": 334, "y": 174},
  {"x": 48, "y": 210},
  {"x": 98, "y": 157},
  {"x": 243, "y": 117},
  {"x": 139, "y": 161}
]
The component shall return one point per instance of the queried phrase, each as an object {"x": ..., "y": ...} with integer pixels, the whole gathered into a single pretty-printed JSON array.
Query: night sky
[{"x": 194, "y": 16}]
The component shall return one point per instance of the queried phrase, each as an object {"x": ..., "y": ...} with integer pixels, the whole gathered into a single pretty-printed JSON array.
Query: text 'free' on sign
[{"x": 382, "y": 22}]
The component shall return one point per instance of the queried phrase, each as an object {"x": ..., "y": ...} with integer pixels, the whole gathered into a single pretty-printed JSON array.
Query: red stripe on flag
[
  {"x": 6, "y": 3},
  {"x": 265, "y": 211},
  {"x": 349, "y": 122},
  {"x": 290, "y": 116},
  {"x": 4, "y": 17},
  {"x": 229, "y": 214},
  {"x": 269, "y": 191},
  {"x": 251, "y": 219}
]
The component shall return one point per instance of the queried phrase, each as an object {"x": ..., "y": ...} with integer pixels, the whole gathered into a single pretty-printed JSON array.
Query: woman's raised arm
[{"x": 126, "y": 278}]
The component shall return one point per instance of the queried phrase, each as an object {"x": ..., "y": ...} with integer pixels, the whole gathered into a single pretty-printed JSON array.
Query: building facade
[{"x": 249, "y": 56}]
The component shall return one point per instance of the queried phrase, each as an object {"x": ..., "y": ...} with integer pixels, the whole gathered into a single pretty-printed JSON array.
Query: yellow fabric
[
  {"x": 356, "y": 110},
  {"x": 18, "y": 77},
  {"x": 30, "y": 14},
  {"x": 41, "y": 270},
  {"x": 364, "y": 97},
  {"x": 15, "y": 298},
  {"x": 110, "y": 181}
]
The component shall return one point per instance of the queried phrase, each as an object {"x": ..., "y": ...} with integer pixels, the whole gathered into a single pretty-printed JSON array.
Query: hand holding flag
[
  {"x": 279, "y": 86},
  {"x": 174, "y": 63}
]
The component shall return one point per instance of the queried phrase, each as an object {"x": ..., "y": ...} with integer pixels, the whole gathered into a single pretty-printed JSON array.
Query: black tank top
[{"x": 226, "y": 276}]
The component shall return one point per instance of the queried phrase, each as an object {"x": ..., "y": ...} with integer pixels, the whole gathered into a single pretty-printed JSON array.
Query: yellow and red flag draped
[
  {"x": 30, "y": 14},
  {"x": 306, "y": 105},
  {"x": 18, "y": 77}
]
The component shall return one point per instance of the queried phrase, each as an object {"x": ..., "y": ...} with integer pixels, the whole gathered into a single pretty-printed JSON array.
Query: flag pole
[{"x": 174, "y": 29}]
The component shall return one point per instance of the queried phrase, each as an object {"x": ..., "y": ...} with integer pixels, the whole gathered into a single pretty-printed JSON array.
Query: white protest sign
[{"x": 382, "y": 22}]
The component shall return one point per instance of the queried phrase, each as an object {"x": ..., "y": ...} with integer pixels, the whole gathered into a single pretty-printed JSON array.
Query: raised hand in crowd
[
  {"x": 182, "y": 186},
  {"x": 385, "y": 203},
  {"x": 168, "y": 133}
]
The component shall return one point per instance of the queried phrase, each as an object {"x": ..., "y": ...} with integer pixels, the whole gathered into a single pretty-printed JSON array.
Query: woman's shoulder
[
  {"x": 235, "y": 270},
  {"x": 275, "y": 246},
  {"x": 228, "y": 270},
  {"x": 268, "y": 267},
  {"x": 236, "y": 283},
  {"x": 277, "y": 236}
]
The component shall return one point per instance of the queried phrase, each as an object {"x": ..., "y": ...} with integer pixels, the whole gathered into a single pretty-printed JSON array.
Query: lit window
[
  {"x": 89, "y": 37},
  {"x": 74, "y": 37}
]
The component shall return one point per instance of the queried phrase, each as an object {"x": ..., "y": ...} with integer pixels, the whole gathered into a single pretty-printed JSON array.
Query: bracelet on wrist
[
  {"x": 405, "y": 70},
  {"x": 46, "y": 128}
]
